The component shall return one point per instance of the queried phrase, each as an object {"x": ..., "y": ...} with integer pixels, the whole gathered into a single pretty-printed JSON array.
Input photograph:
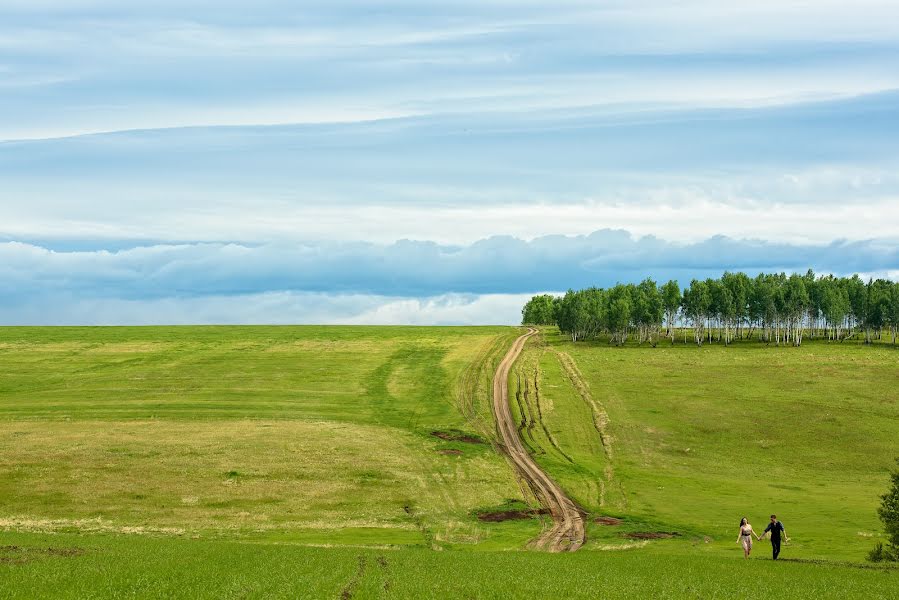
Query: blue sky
[{"x": 431, "y": 162}]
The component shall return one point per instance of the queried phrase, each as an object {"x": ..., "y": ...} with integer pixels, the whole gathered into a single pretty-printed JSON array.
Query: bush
[
  {"x": 889, "y": 514},
  {"x": 878, "y": 554}
]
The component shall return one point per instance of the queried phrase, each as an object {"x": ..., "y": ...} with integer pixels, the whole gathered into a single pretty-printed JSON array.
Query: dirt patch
[
  {"x": 16, "y": 555},
  {"x": 350, "y": 588},
  {"x": 450, "y": 452},
  {"x": 63, "y": 551},
  {"x": 458, "y": 436},
  {"x": 385, "y": 581},
  {"x": 512, "y": 515},
  {"x": 608, "y": 521},
  {"x": 650, "y": 535}
]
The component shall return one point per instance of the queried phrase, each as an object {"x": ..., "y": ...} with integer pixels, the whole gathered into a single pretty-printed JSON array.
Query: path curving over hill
[{"x": 568, "y": 531}]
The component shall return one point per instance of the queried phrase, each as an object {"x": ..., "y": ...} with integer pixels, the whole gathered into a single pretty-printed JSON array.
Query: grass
[
  {"x": 228, "y": 462},
  {"x": 700, "y": 437},
  {"x": 307, "y": 433},
  {"x": 73, "y": 566}
]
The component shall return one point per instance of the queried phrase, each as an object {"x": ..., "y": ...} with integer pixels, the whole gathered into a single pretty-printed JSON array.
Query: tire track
[
  {"x": 568, "y": 531},
  {"x": 350, "y": 588},
  {"x": 549, "y": 436},
  {"x": 523, "y": 423},
  {"x": 600, "y": 423}
]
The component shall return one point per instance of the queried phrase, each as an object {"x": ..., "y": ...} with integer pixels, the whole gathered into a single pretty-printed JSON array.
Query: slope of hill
[
  {"x": 316, "y": 434},
  {"x": 686, "y": 440},
  {"x": 333, "y": 461}
]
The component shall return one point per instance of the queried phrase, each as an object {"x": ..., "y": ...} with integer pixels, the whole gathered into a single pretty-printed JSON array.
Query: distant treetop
[{"x": 773, "y": 307}]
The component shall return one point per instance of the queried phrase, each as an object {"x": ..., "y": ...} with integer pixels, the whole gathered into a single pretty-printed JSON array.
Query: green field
[
  {"x": 316, "y": 434},
  {"x": 699, "y": 437},
  {"x": 353, "y": 461}
]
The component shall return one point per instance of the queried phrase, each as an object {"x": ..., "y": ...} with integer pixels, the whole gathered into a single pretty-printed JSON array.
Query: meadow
[
  {"x": 316, "y": 434},
  {"x": 147, "y": 567},
  {"x": 685, "y": 440},
  {"x": 340, "y": 461}
]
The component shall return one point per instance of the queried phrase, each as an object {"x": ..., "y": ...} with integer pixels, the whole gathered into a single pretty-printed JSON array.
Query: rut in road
[{"x": 568, "y": 531}]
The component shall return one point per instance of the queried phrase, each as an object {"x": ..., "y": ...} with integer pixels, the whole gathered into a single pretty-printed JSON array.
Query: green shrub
[
  {"x": 889, "y": 514},
  {"x": 878, "y": 554}
]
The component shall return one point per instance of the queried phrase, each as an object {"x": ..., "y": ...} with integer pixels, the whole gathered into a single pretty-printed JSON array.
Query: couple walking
[{"x": 775, "y": 527}]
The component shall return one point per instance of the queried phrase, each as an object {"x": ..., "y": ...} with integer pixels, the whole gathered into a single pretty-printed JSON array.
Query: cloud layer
[
  {"x": 114, "y": 66},
  {"x": 411, "y": 282},
  {"x": 268, "y": 308},
  {"x": 449, "y": 122},
  {"x": 819, "y": 172}
]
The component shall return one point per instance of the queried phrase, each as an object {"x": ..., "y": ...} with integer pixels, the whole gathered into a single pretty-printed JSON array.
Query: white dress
[{"x": 746, "y": 538}]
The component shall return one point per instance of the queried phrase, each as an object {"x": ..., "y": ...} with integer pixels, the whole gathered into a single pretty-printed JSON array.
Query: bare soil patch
[
  {"x": 458, "y": 436},
  {"x": 608, "y": 521},
  {"x": 497, "y": 516},
  {"x": 650, "y": 535},
  {"x": 16, "y": 555},
  {"x": 450, "y": 452},
  {"x": 350, "y": 588}
]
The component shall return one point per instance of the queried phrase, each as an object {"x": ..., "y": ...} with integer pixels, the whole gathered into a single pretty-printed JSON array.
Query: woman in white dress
[{"x": 745, "y": 537}]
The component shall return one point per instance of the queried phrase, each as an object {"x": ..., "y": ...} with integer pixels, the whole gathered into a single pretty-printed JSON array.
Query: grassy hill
[
  {"x": 334, "y": 461},
  {"x": 319, "y": 434},
  {"x": 696, "y": 438}
]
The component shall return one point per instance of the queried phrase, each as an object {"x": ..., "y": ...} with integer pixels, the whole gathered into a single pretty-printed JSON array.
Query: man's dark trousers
[{"x": 775, "y": 546}]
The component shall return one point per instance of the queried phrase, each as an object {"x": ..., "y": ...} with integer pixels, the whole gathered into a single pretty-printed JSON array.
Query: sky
[{"x": 430, "y": 162}]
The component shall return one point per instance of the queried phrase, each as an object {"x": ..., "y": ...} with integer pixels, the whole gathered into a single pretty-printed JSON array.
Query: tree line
[{"x": 772, "y": 307}]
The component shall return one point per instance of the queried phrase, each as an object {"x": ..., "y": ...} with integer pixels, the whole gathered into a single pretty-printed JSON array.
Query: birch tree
[{"x": 671, "y": 303}]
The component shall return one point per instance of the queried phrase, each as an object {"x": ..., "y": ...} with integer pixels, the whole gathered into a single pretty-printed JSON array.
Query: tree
[
  {"x": 594, "y": 302},
  {"x": 564, "y": 314},
  {"x": 539, "y": 310},
  {"x": 889, "y": 515},
  {"x": 619, "y": 313},
  {"x": 762, "y": 306},
  {"x": 858, "y": 301},
  {"x": 795, "y": 308},
  {"x": 723, "y": 306},
  {"x": 894, "y": 311},
  {"x": 648, "y": 310},
  {"x": 814, "y": 287},
  {"x": 697, "y": 303},
  {"x": 573, "y": 317},
  {"x": 671, "y": 301},
  {"x": 879, "y": 300},
  {"x": 739, "y": 287},
  {"x": 834, "y": 298}
]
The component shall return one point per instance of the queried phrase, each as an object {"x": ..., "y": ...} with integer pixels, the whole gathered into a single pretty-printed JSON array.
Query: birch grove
[{"x": 773, "y": 308}]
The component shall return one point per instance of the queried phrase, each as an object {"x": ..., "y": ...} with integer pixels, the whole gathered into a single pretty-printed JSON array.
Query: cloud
[
  {"x": 408, "y": 282},
  {"x": 501, "y": 264},
  {"x": 269, "y": 308},
  {"x": 680, "y": 175},
  {"x": 202, "y": 63}
]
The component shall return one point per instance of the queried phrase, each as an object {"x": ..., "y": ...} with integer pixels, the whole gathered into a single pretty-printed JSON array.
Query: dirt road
[{"x": 568, "y": 531}]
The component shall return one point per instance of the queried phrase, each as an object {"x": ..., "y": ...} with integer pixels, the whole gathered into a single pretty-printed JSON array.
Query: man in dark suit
[{"x": 777, "y": 529}]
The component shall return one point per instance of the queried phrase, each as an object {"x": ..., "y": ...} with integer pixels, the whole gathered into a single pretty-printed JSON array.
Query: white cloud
[
  {"x": 201, "y": 65},
  {"x": 276, "y": 308},
  {"x": 673, "y": 214},
  {"x": 407, "y": 268},
  {"x": 447, "y": 309}
]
